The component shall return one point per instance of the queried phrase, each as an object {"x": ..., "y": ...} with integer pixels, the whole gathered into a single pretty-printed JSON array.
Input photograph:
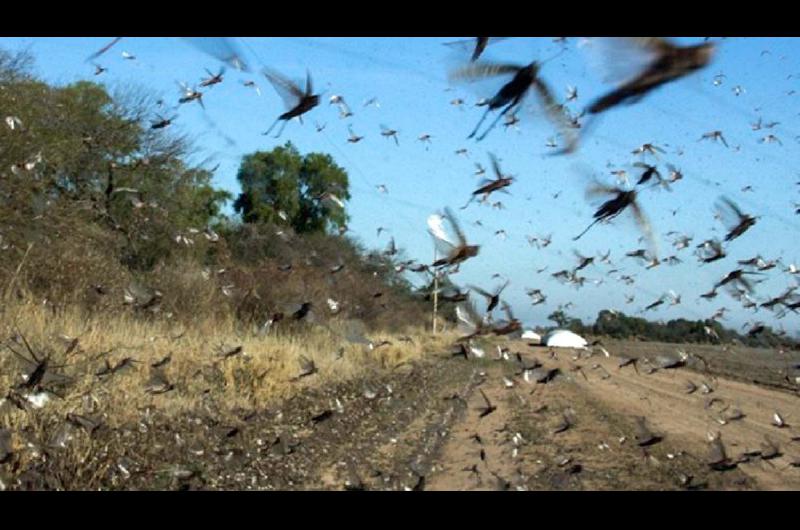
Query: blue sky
[{"x": 408, "y": 76}]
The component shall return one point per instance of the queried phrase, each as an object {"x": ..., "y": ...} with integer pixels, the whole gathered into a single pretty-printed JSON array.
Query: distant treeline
[{"x": 618, "y": 325}]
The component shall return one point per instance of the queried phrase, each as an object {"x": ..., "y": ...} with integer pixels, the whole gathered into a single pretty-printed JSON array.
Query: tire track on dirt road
[
  {"x": 686, "y": 419},
  {"x": 524, "y": 448}
]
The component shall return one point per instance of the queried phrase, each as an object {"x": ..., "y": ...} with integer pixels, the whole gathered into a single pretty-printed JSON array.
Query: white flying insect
[
  {"x": 333, "y": 305},
  {"x": 13, "y": 122}
]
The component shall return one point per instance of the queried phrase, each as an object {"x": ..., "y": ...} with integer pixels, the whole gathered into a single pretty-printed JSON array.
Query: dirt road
[
  {"x": 599, "y": 450},
  {"x": 578, "y": 430}
]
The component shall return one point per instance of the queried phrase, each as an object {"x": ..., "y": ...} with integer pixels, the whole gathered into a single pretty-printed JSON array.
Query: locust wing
[
  {"x": 474, "y": 46},
  {"x": 482, "y": 70},
  {"x": 289, "y": 92},
  {"x": 104, "y": 49},
  {"x": 507, "y": 310},
  {"x": 495, "y": 167},
  {"x": 221, "y": 48},
  {"x": 730, "y": 213},
  {"x": 480, "y": 291},
  {"x": 644, "y": 224},
  {"x": 443, "y": 241},
  {"x": 309, "y": 83},
  {"x": 468, "y": 319},
  {"x": 621, "y": 59},
  {"x": 555, "y": 112},
  {"x": 451, "y": 218}
]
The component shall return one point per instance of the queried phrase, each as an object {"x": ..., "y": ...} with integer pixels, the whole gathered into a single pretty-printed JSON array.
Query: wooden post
[{"x": 435, "y": 289}]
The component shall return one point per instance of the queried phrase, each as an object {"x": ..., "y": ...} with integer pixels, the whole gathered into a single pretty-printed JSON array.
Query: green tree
[
  {"x": 285, "y": 188},
  {"x": 88, "y": 153},
  {"x": 560, "y": 318}
]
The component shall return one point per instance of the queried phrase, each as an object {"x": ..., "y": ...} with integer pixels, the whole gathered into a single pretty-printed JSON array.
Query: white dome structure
[{"x": 561, "y": 338}]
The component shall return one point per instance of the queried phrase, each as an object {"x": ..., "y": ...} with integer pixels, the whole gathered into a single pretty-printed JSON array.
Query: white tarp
[
  {"x": 531, "y": 335},
  {"x": 561, "y": 338}
]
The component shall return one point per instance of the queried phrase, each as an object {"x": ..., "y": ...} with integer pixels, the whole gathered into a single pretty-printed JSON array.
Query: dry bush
[
  {"x": 75, "y": 261},
  {"x": 260, "y": 254},
  {"x": 191, "y": 293},
  {"x": 60, "y": 259}
]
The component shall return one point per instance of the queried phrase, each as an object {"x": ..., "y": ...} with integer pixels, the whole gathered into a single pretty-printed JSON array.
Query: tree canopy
[{"x": 286, "y": 188}]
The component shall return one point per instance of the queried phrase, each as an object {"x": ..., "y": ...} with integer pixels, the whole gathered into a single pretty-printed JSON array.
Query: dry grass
[
  {"x": 264, "y": 372},
  {"x": 206, "y": 385}
]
